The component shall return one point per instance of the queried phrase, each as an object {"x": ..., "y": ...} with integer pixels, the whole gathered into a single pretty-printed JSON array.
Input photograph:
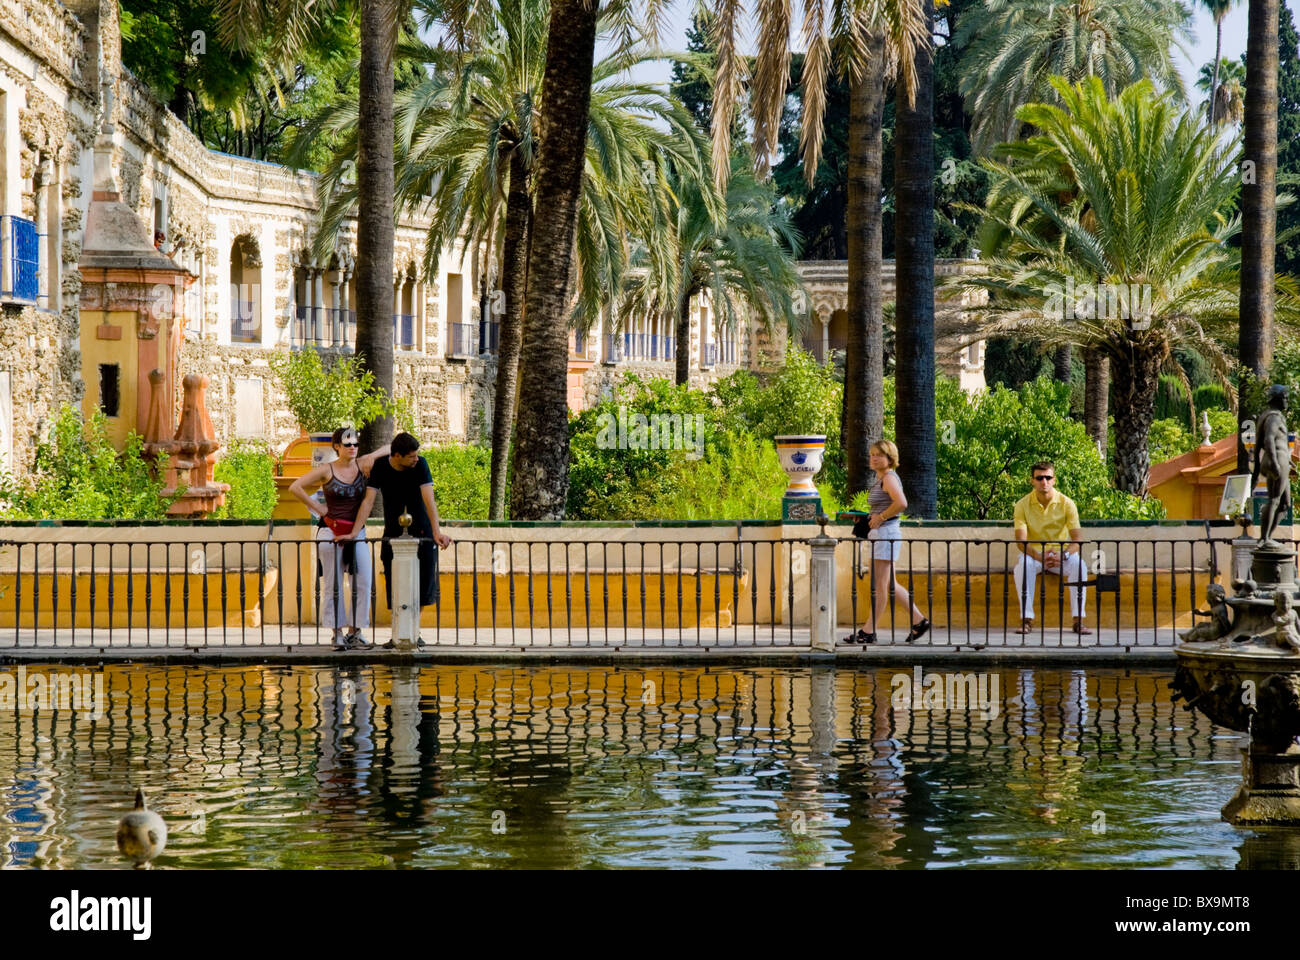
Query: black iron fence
[{"x": 713, "y": 588}]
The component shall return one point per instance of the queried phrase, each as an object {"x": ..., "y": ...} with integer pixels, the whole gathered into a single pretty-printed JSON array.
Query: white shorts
[{"x": 886, "y": 542}]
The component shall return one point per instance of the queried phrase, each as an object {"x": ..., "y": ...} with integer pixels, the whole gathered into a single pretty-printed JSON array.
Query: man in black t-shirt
[{"x": 404, "y": 479}]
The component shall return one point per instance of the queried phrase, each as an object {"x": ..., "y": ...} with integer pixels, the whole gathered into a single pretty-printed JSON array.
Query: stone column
[
  {"x": 405, "y": 589},
  {"x": 821, "y": 590},
  {"x": 345, "y": 306},
  {"x": 334, "y": 326},
  {"x": 826, "y": 337},
  {"x": 317, "y": 300}
]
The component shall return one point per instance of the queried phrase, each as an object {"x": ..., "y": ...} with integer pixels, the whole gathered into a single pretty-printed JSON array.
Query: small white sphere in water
[{"x": 141, "y": 834}]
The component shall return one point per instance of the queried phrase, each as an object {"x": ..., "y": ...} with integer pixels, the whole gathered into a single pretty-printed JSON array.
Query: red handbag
[{"x": 339, "y": 528}]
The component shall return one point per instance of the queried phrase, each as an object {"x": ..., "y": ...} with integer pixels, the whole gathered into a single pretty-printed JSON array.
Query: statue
[
  {"x": 1273, "y": 462},
  {"x": 1219, "y": 624},
  {"x": 1284, "y": 616}
]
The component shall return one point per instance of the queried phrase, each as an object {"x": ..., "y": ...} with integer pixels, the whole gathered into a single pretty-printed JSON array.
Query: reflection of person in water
[{"x": 346, "y": 737}]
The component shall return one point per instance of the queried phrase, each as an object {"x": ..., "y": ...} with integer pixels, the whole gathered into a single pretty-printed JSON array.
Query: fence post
[
  {"x": 405, "y": 587},
  {"x": 821, "y": 592}
]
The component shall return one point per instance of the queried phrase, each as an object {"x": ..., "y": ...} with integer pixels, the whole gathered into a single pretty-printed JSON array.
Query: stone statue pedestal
[
  {"x": 1270, "y": 788},
  {"x": 1273, "y": 564}
]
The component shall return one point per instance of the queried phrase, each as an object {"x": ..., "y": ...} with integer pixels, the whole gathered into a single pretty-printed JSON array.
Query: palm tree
[
  {"x": 1017, "y": 45},
  {"x": 1259, "y": 189},
  {"x": 1224, "y": 83},
  {"x": 1130, "y": 193},
  {"x": 865, "y": 44},
  {"x": 245, "y": 24},
  {"x": 914, "y": 282},
  {"x": 466, "y": 150},
  {"x": 540, "y": 480},
  {"x": 1218, "y": 10},
  {"x": 741, "y": 256}
]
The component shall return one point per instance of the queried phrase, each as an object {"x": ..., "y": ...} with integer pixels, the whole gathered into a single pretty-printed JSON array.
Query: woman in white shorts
[{"x": 886, "y": 544}]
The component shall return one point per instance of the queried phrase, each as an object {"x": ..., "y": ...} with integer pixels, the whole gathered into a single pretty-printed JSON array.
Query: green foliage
[
  {"x": 802, "y": 397},
  {"x": 615, "y": 478},
  {"x": 1168, "y": 438},
  {"x": 997, "y": 437},
  {"x": 78, "y": 475},
  {"x": 249, "y": 469},
  {"x": 460, "y": 480},
  {"x": 744, "y": 483},
  {"x": 1171, "y": 400},
  {"x": 1210, "y": 396},
  {"x": 325, "y": 399}
]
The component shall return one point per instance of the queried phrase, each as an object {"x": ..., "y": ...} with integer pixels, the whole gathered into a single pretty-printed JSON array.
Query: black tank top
[{"x": 343, "y": 500}]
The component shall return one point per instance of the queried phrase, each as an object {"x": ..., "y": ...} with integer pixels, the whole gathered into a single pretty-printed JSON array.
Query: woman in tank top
[
  {"x": 343, "y": 486},
  {"x": 886, "y": 544}
]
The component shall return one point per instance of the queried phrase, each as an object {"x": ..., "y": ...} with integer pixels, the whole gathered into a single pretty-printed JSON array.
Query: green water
[{"x": 453, "y": 766}]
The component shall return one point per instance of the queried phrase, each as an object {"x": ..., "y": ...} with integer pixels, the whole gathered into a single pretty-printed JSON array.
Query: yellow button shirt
[{"x": 1052, "y": 522}]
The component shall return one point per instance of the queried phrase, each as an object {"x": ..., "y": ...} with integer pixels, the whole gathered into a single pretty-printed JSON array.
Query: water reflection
[{"x": 472, "y": 766}]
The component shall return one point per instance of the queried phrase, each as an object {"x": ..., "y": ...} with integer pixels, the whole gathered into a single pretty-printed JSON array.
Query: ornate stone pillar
[
  {"x": 335, "y": 327},
  {"x": 317, "y": 301}
]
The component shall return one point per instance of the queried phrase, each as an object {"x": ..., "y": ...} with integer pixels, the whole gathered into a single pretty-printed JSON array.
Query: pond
[{"x": 587, "y": 767}]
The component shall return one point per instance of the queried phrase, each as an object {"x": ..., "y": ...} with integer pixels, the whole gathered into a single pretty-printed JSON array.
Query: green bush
[
  {"x": 1210, "y": 396},
  {"x": 250, "y": 471},
  {"x": 987, "y": 444},
  {"x": 461, "y": 479},
  {"x": 324, "y": 399},
  {"x": 1171, "y": 400},
  {"x": 613, "y": 476},
  {"x": 78, "y": 475}
]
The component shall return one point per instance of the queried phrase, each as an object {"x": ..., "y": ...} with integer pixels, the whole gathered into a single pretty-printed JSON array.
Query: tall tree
[
  {"x": 540, "y": 478},
  {"x": 375, "y": 224},
  {"x": 839, "y": 35},
  {"x": 1015, "y": 46},
  {"x": 1218, "y": 10},
  {"x": 1259, "y": 188},
  {"x": 1288, "y": 142},
  {"x": 1224, "y": 83},
  {"x": 914, "y": 283},
  {"x": 281, "y": 31},
  {"x": 1120, "y": 213}
]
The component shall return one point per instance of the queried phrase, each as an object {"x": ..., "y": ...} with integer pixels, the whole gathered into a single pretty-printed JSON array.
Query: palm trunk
[
  {"x": 682, "y": 349},
  {"x": 1137, "y": 374},
  {"x": 863, "y": 418},
  {"x": 374, "y": 273},
  {"x": 1062, "y": 367},
  {"x": 1218, "y": 52},
  {"x": 540, "y": 480},
  {"x": 1258, "y": 199},
  {"x": 514, "y": 280},
  {"x": 914, "y": 283},
  {"x": 1096, "y": 394}
]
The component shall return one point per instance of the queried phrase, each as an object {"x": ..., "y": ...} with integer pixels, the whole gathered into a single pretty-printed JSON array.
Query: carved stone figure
[
  {"x": 1220, "y": 622},
  {"x": 1284, "y": 616},
  {"x": 1273, "y": 463}
]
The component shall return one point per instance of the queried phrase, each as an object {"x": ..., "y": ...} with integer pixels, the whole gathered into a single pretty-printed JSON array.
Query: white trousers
[
  {"x": 1026, "y": 575},
  {"x": 337, "y": 607}
]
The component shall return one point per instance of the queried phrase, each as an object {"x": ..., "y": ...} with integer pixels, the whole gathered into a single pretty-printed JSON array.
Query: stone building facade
[{"x": 76, "y": 128}]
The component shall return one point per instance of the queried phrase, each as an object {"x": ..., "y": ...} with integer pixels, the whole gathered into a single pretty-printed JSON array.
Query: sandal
[
  {"x": 861, "y": 637},
  {"x": 1025, "y": 628},
  {"x": 918, "y": 630},
  {"x": 1081, "y": 630}
]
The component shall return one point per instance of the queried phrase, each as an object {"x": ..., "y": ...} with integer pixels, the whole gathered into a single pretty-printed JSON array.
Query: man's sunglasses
[
  {"x": 1046, "y": 476},
  {"x": 349, "y": 444}
]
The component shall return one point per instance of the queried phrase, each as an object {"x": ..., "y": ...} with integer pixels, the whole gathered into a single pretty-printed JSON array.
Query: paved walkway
[{"x": 294, "y": 643}]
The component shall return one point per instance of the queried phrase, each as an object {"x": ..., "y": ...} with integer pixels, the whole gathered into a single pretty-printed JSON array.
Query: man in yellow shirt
[{"x": 1048, "y": 515}]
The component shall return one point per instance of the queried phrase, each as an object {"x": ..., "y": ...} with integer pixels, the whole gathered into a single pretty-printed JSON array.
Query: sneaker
[
  {"x": 342, "y": 642},
  {"x": 419, "y": 642},
  {"x": 357, "y": 642}
]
